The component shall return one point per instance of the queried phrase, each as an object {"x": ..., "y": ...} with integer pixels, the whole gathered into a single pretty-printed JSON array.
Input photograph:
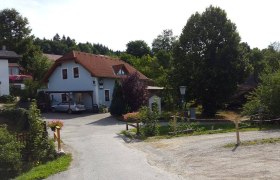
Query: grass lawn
[
  {"x": 202, "y": 129},
  {"x": 254, "y": 142},
  {"x": 50, "y": 168}
]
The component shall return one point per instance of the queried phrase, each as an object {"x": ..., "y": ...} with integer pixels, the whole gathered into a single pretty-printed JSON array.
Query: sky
[{"x": 114, "y": 23}]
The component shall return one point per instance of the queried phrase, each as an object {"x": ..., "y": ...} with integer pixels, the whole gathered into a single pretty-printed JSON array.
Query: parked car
[{"x": 68, "y": 107}]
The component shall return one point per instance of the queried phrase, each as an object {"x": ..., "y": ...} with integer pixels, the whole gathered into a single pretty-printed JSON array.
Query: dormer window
[{"x": 120, "y": 70}]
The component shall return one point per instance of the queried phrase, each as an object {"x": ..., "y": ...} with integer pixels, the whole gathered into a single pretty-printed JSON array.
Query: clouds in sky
[{"x": 115, "y": 23}]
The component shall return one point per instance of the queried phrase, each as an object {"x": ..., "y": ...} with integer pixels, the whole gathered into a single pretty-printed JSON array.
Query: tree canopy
[
  {"x": 207, "y": 59},
  {"x": 138, "y": 48}
]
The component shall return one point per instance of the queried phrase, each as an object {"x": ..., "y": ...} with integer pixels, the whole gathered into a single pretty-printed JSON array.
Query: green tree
[
  {"x": 266, "y": 98},
  {"x": 13, "y": 27},
  {"x": 207, "y": 59},
  {"x": 118, "y": 105},
  {"x": 164, "y": 41},
  {"x": 138, "y": 48}
]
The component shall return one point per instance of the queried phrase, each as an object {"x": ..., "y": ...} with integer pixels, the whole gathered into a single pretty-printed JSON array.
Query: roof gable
[{"x": 96, "y": 65}]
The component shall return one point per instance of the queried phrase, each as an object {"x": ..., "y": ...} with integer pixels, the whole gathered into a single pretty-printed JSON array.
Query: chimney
[{"x": 4, "y": 48}]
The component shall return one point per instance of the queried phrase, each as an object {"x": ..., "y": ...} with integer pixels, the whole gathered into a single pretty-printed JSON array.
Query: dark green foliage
[
  {"x": 7, "y": 99},
  {"x": 138, "y": 48},
  {"x": 39, "y": 149},
  {"x": 10, "y": 154},
  {"x": 266, "y": 98},
  {"x": 207, "y": 59},
  {"x": 117, "y": 107},
  {"x": 17, "y": 117},
  {"x": 150, "y": 121}
]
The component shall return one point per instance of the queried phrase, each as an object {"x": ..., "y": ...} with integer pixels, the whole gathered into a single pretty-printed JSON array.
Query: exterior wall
[
  {"x": 83, "y": 83},
  {"x": 108, "y": 84},
  {"x": 4, "y": 77}
]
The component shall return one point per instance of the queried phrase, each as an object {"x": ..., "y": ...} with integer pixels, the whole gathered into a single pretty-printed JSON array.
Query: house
[
  {"x": 6, "y": 57},
  {"x": 86, "y": 78},
  {"x": 16, "y": 76}
]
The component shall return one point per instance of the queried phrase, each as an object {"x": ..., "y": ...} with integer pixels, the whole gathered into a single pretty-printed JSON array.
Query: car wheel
[
  {"x": 69, "y": 111},
  {"x": 53, "y": 109}
]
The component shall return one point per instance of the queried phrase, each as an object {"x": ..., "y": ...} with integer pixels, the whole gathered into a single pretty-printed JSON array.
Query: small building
[
  {"x": 6, "y": 57},
  {"x": 86, "y": 78}
]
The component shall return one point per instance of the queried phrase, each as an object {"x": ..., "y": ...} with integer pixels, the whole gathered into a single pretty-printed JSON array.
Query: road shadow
[
  {"x": 127, "y": 139},
  {"x": 108, "y": 121}
]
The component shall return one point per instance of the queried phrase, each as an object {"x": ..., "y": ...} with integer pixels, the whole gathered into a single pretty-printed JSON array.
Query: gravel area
[{"x": 204, "y": 157}]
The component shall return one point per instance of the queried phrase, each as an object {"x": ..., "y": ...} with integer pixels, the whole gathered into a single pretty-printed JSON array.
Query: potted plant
[
  {"x": 52, "y": 124},
  {"x": 131, "y": 117}
]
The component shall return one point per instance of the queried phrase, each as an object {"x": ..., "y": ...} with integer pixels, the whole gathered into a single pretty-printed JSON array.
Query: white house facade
[
  {"x": 4, "y": 77},
  {"x": 5, "y": 58},
  {"x": 85, "y": 78}
]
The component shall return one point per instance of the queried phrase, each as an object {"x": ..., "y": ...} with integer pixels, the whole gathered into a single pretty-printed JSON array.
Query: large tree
[
  {"x": 13, "y": 27},
  {"x": 137, "y": 48},
  {"x": 208, "y": 60}
]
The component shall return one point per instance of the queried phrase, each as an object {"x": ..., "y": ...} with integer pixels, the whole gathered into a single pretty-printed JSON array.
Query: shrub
[
  {"x": 38, "y": 147},
  {"x": 18, "y": 117},
  {"x": 117, "y": 107},
  {"x": 150, "y": 121},
  {"x": 10, "y": 156},
  {"x": 134, "y": 92},
  {"x": 131, "y": 117},
  {"x": 266, "y": 98},
  {"x": 7, "y": 99}
]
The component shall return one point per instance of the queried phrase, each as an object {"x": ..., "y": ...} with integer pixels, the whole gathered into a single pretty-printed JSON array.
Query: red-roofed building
[{"x": 86, "y": 78}]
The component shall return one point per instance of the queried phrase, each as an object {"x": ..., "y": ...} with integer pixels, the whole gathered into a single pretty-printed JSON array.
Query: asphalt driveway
[{"x": 100, "y": 153}]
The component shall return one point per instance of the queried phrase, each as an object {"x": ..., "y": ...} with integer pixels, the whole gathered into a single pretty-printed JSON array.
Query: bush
[
  {"x": 265, "y": 99},
  {"x": 38, "y": 147},
  {"x": 10, "y": 154},
  {"x": 117, "y": 107},
  {"x": 150, "y": 121},
  {"x": 7, "y": 99},
  {"x": 18, "y": 117},
  {"x": 131, "y": 117}
]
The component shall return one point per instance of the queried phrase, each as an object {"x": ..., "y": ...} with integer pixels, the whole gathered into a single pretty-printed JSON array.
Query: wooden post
[
  {"x": 127, "y": 126},
  {"x": 237, "y": 132},
  {"x": 138, "y": 131},
  {"x": 58, "y": 138}
]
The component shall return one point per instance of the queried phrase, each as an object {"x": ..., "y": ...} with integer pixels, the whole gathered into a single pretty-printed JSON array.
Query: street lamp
[{"x": 182, "y": 92}]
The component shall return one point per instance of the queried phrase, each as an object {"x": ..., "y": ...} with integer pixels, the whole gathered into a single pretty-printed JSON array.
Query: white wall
[
  {"x": 107, "y": 85},
  {"x": 83, "y": 83},
  {"x": 4, "y": 77}
]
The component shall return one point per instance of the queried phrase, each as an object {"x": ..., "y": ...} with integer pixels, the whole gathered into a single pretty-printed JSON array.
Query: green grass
[
  {"x": 50, "y": 168},
  {"x": 254, "y": 142},
  {"x": 203, "y": 129}
]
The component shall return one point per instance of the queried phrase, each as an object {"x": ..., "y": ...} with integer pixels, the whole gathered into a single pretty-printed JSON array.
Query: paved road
[{"x": 100, "y": 153}]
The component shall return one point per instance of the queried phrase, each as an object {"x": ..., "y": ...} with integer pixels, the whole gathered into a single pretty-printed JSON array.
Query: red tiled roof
[
  {"x": 52, "y": 57},
  {"x": 97, "y": 65}
]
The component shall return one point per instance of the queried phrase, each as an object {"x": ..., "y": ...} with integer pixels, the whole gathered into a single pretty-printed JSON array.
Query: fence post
[{"x": 58, "y": 138}]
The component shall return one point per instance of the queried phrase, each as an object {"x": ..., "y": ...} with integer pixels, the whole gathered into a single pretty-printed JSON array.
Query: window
[
  {"x": 63, "y": 98},
  {"x": 107, "y": 95},
  {"x": 64, "y": 73},
  {"x": 76, "y": 72},
  {"x": 121, "y": 72}
]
